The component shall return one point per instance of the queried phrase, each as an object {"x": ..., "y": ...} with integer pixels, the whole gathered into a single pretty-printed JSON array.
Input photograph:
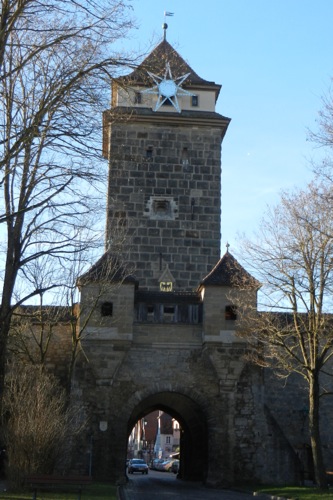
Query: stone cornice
[{"x": 146, "y": 115}]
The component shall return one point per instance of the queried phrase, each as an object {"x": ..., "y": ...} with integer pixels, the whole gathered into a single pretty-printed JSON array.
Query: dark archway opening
[{"x": 193, "y": 441}]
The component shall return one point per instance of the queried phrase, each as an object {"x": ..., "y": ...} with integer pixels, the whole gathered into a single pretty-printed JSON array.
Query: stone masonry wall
[
  {"x": 165, "y": 187},
  {"x": 288, "y": 404}
]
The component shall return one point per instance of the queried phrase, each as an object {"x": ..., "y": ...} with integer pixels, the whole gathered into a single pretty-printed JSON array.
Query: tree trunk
[
  {"x": 314, "y": 428},
  {"x": 5, "y": 321},
  {"x": 13, "y": 256},
  {"x": 6, "y": 312}
]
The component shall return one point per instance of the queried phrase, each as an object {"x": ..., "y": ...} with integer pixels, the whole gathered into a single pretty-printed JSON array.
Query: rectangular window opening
[
  {"x": 195, "y": 100},
  {"x": 107, "y": 309},
  {"x": 230, "y": 313},
  {"x": 169, "y": 310}
]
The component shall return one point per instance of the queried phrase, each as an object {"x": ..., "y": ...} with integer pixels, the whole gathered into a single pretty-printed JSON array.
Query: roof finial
[
  {"x": 164, "y": 25},
  {"x": 227, "y": 245}
]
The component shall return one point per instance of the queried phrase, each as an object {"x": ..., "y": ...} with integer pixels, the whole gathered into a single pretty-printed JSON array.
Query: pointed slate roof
[
  {"x": 229, "y": 272},
  {"x": 109, "y": 268},
  {"x": 155, "y": 63}
]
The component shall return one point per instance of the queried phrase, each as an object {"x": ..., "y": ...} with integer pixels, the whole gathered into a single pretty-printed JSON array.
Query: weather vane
[{"x": 164, "y": 25}]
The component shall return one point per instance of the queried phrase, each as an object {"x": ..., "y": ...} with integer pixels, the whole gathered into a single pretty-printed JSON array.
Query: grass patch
[
  {"x": 296, "y": 492},
  {"x": 96, "y": 491}
]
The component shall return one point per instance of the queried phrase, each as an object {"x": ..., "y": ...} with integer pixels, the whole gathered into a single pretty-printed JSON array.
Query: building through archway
[{"x": 193, "y": 441}]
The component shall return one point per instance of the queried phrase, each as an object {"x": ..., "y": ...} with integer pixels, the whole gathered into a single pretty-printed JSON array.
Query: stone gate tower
[
  {"x": 164, "y": 336},
  {"x": 163, "y": 139}
]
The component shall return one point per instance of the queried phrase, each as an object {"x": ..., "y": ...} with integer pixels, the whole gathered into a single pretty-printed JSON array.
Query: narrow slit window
[
  {"x": 185, "y": 156},
  {"x": 149, "y": 152}
]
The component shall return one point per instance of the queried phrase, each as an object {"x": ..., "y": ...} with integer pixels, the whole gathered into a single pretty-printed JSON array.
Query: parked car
[
  {"x": 137, "y": 465},
  {"x": 175, "y": 466},
  {"x": 166, "y": 465},
  {"x": 155, "y": 463}
]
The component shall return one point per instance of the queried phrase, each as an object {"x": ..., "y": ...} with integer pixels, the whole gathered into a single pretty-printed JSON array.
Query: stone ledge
[
  {"x": 104, "y": 333},
  {"x": 224, "y": 337}
]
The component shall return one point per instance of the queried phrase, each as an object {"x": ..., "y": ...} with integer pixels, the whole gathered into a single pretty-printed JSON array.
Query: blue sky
[{"x": 274, "y": 59}]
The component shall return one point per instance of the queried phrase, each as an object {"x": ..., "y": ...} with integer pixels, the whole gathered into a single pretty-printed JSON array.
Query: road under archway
[{"x": 193, "y": 442}]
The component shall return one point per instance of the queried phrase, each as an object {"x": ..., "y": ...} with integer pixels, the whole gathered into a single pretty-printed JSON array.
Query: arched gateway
[
  {"x": 160, "y": 323},
  {"x": 193, "y": 423}
]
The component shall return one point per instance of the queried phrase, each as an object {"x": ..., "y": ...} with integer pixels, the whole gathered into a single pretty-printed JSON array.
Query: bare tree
[
  {"x": 292, "y": 333},
  {"x": 38, "y": 331},
  {"x": 55, "y": 58},
  {"x": 37, "y": 422}
]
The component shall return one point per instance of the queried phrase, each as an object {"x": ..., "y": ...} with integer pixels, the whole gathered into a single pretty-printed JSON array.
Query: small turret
[{"x": 221, "y": 290}]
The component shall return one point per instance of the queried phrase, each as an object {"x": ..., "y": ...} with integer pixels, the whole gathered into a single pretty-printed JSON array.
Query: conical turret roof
[
  {"x": 229, "y": 272},
  {"x": 109, "y": 268},
  {"x": 156, "y": 61}
]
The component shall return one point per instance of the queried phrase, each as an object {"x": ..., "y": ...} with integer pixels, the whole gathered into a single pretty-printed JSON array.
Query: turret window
[
  {"x": 230, "y": 313},
  {"x": 107, "y": 309}
]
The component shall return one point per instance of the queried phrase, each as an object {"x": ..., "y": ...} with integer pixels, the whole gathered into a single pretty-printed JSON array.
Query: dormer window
[
  {"x": 167, "y": 101},
  {"x": 230, "y": 313}
]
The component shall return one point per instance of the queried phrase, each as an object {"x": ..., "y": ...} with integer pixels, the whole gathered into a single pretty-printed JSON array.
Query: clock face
[{"x": 167, "y": 88}]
